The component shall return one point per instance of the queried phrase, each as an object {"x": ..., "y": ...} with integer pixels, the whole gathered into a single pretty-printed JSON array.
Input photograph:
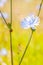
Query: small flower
[
  {"x": 2, "y": 2},
  {"x": 5, "y": 15},
  {"x": 30, "y": 22},
  {"x": 3, "y": 52}
]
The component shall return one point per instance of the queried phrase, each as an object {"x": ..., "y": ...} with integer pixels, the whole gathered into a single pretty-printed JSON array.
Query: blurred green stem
[
  {"x": 11, "y": 48},
  {"x": 3, "y": 18},
  {"x": 26, "y": 48},
  {"x": 40, "y": 7},
  {"x": 10, "y": 26}
]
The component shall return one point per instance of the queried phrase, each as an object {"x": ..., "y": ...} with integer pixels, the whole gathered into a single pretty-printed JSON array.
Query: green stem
[
  {"x": 11, "y": 48},
  {"x": 40, "y": 7},
  {"x": 4, "y": 18},
  {"x": 11, "y": 12},
  {"x": 26, "y": 48},
  {"x": 11, "y": 32}
]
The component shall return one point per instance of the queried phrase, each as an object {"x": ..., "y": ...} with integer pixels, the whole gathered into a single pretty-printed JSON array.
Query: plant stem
[
  {"x": 11, "y": 48},
  {"x": 26, "y": 48},
  {"x": 40, "y": 7},
  {"x": 11, "y": 32},
  {"x": 4, "y": 18},
  {"x": 11, "y": 12}
]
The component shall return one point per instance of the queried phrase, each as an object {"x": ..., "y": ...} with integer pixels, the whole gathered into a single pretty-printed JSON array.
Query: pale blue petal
[
  {"x": 37, "y": 21},
  {"x": 24, "y": 24},
  {"x": 30, "y": 22}
]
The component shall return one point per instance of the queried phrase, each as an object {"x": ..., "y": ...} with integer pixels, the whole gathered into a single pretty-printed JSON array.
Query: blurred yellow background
[{"x": 34, "y": 54}]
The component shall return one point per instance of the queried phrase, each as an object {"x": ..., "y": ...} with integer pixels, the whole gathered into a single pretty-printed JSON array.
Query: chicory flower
[{"x": 30, "y": 22}]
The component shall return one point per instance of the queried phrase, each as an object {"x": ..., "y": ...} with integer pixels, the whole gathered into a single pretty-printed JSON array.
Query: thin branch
[
  {"x": 4, "y": 18},
  {"x": 11, "y": 48},
  {"x": 11, "y": 32},
  {"x": 26, "y": 48},
  {"x": 11, "y": 11},
  {"x": 40, "y": 7}
]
